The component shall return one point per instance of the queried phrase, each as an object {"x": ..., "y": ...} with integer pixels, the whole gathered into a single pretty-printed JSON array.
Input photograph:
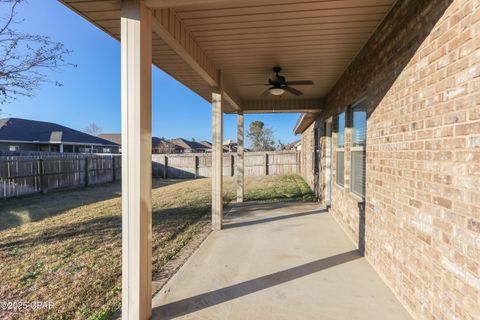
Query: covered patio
[
  {"x": 277, "y": 261},
  {"x": 224, "y": 50}
]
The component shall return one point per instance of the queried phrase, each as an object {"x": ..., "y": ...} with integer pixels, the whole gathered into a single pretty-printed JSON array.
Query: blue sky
[{"x": 91, "y": 91}]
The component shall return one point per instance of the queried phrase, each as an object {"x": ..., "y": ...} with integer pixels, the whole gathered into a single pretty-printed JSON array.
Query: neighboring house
[
  {"x": 31, "y": 135},
  {"x": 295, "y": 145},
  {"x": 207, "y": 144},
  {"x": 229, "y": 146},
  {"x": 159, "y": 145},
  {"x": 190, "y": 146},
  {"x": 113, "y": 137}
]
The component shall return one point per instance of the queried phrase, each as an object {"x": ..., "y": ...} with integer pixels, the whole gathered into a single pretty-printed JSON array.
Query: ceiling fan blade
[
  {"x": 293, "y": 90},
  {"x": 299, "y": 83}
]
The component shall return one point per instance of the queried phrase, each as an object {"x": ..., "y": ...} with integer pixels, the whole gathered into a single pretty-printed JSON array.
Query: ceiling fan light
[{"x": 276, "y": 91}]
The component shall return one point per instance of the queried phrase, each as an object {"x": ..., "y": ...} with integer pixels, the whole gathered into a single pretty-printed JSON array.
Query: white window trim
[
  {"x": 340, "y": 149},
  {"x": 356, "y": 149}
]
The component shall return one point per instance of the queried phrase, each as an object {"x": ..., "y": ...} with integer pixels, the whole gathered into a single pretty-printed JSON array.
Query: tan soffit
[{"x": 313, "y": 40}]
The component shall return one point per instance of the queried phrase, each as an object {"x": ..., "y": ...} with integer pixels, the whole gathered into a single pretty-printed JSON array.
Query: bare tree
[
  {"x": 261, "y": 137},
  {"x": 24, "y": 57},
  {"x": 281, "y": 145},
  {"x": 166, "y": 148},
  {"x": 93, "y": 129}
]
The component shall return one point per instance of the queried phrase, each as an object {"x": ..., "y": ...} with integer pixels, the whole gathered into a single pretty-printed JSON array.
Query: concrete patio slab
[{"x": 277, "y": 261}]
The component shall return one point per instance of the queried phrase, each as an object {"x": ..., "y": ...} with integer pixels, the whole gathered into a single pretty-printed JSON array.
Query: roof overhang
[
  {"x": 304, "y": 121},
  {"x": 59, "y": 142},
  {"x": 233, "y": 44}
]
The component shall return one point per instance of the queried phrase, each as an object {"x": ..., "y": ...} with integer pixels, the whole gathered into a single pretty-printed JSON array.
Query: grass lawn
[{"x": 65, "y": 247}]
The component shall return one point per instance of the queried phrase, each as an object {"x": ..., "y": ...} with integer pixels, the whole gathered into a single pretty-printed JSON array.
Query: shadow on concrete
[
  {"x": 271, "y": 219},
  {"x": 208, "y": 299},
  {"x": 361, "y": 227}
]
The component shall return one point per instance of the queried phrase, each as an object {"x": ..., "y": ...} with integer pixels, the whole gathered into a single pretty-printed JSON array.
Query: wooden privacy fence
[
  {"x": 194, "y": 165},
  {"x": 23, "y": 175}
]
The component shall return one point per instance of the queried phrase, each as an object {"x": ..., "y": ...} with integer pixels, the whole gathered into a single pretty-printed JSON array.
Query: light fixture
[{"x": 276, "y": 91}]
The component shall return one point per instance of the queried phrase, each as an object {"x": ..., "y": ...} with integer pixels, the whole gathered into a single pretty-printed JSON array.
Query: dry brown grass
[{"x": 71, "y": 256}]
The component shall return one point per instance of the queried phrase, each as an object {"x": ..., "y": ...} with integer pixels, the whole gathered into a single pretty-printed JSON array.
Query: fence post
[
  {"x": 41, "y": 168},
  {"x": 232, "y": 165},
  {"x": 299, "y": 165},
  {"x": 165, "y": 168},
  {"x": 195, "y": 159},
  {"x": 114, "y": 173},
  {"x": 266, "y": 164},
  {"x": 86, "y": 172}
]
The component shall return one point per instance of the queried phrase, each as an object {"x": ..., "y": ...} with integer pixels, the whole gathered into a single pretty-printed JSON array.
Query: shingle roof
[
  {"x": 156, "y": 142},
  {"x": 24, "y": 130},
  {"x": 206, "y": 144},
  {"x": 160, "y": 143},
  {"x": 113, "y": 137},
  {"x": 292, "y": 145},
  {"x": 188, "y": 144}
]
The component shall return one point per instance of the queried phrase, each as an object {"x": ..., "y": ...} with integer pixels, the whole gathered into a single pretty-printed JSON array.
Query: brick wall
[
  {"x": 306, "y": 156},
  {"x": 420, "y": 224}
]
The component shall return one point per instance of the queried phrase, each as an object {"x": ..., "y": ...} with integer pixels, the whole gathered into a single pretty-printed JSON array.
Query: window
[
  {"x": 13, "y": 148},
  {"x": 340, "y": 165},
  {"x": 107, "y": 150},
  {"x": 67, "y": 148},
  {"x": 359, "y": 137}
]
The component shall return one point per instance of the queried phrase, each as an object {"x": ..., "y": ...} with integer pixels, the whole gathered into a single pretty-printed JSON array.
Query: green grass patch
[{"x": 66, "y": 248}]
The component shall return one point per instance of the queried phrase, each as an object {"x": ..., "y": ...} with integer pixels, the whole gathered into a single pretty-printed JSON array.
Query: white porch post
[
  {"x": 240, "y": 156},
  {"x": 217, "y": 159},
  {"x": 136, "y": 62}
]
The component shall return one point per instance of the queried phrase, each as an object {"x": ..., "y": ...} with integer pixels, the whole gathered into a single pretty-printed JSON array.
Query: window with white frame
[
  {"x": 13, "y": 148},
  {"x": 340, "y": 164},
  {"x": 359, "y": 139}
]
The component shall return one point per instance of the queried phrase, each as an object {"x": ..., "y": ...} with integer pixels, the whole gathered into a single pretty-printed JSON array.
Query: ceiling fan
[{"x": 278, "y": 85}]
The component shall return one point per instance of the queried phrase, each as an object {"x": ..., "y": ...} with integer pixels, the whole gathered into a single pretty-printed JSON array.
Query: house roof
[
  {"x": 113, "y": 137},
  {"x": 229, "y": 142},
  {"x": 156, "y": 142},
  {"x": 159, "y": 143},
  {"x": 304, "y": 121},
  {"x": 292, "y": 145},
  {"x": 188, "y": 144},
  {"x": 206, "y": 144},
  {"x": 32, "y": 131}
]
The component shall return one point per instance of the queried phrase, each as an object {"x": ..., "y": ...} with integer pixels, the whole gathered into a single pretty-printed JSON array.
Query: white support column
[
  {"x": 240, "y": 156},
  {"x": 61, "y": 147},
  {"x": 136, "y": 62},
  {"x": 217, "y": 160}
]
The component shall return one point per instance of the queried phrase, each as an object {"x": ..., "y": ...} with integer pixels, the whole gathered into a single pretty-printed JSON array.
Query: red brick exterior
[{"x": 420, "y": 223}]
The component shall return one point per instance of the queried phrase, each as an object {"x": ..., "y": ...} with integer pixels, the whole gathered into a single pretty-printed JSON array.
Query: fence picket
[{"x": 23, "y": 175}]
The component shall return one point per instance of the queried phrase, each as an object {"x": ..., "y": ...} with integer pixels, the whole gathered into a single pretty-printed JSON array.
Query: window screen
[
  {"x": 340, "y": 165},
  {"x": 341, "y": 130},
  {"x": 359, "y": 122}
]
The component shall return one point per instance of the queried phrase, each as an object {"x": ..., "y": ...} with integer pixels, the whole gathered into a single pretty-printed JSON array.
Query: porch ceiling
[{"x": 314, "y": 40}]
